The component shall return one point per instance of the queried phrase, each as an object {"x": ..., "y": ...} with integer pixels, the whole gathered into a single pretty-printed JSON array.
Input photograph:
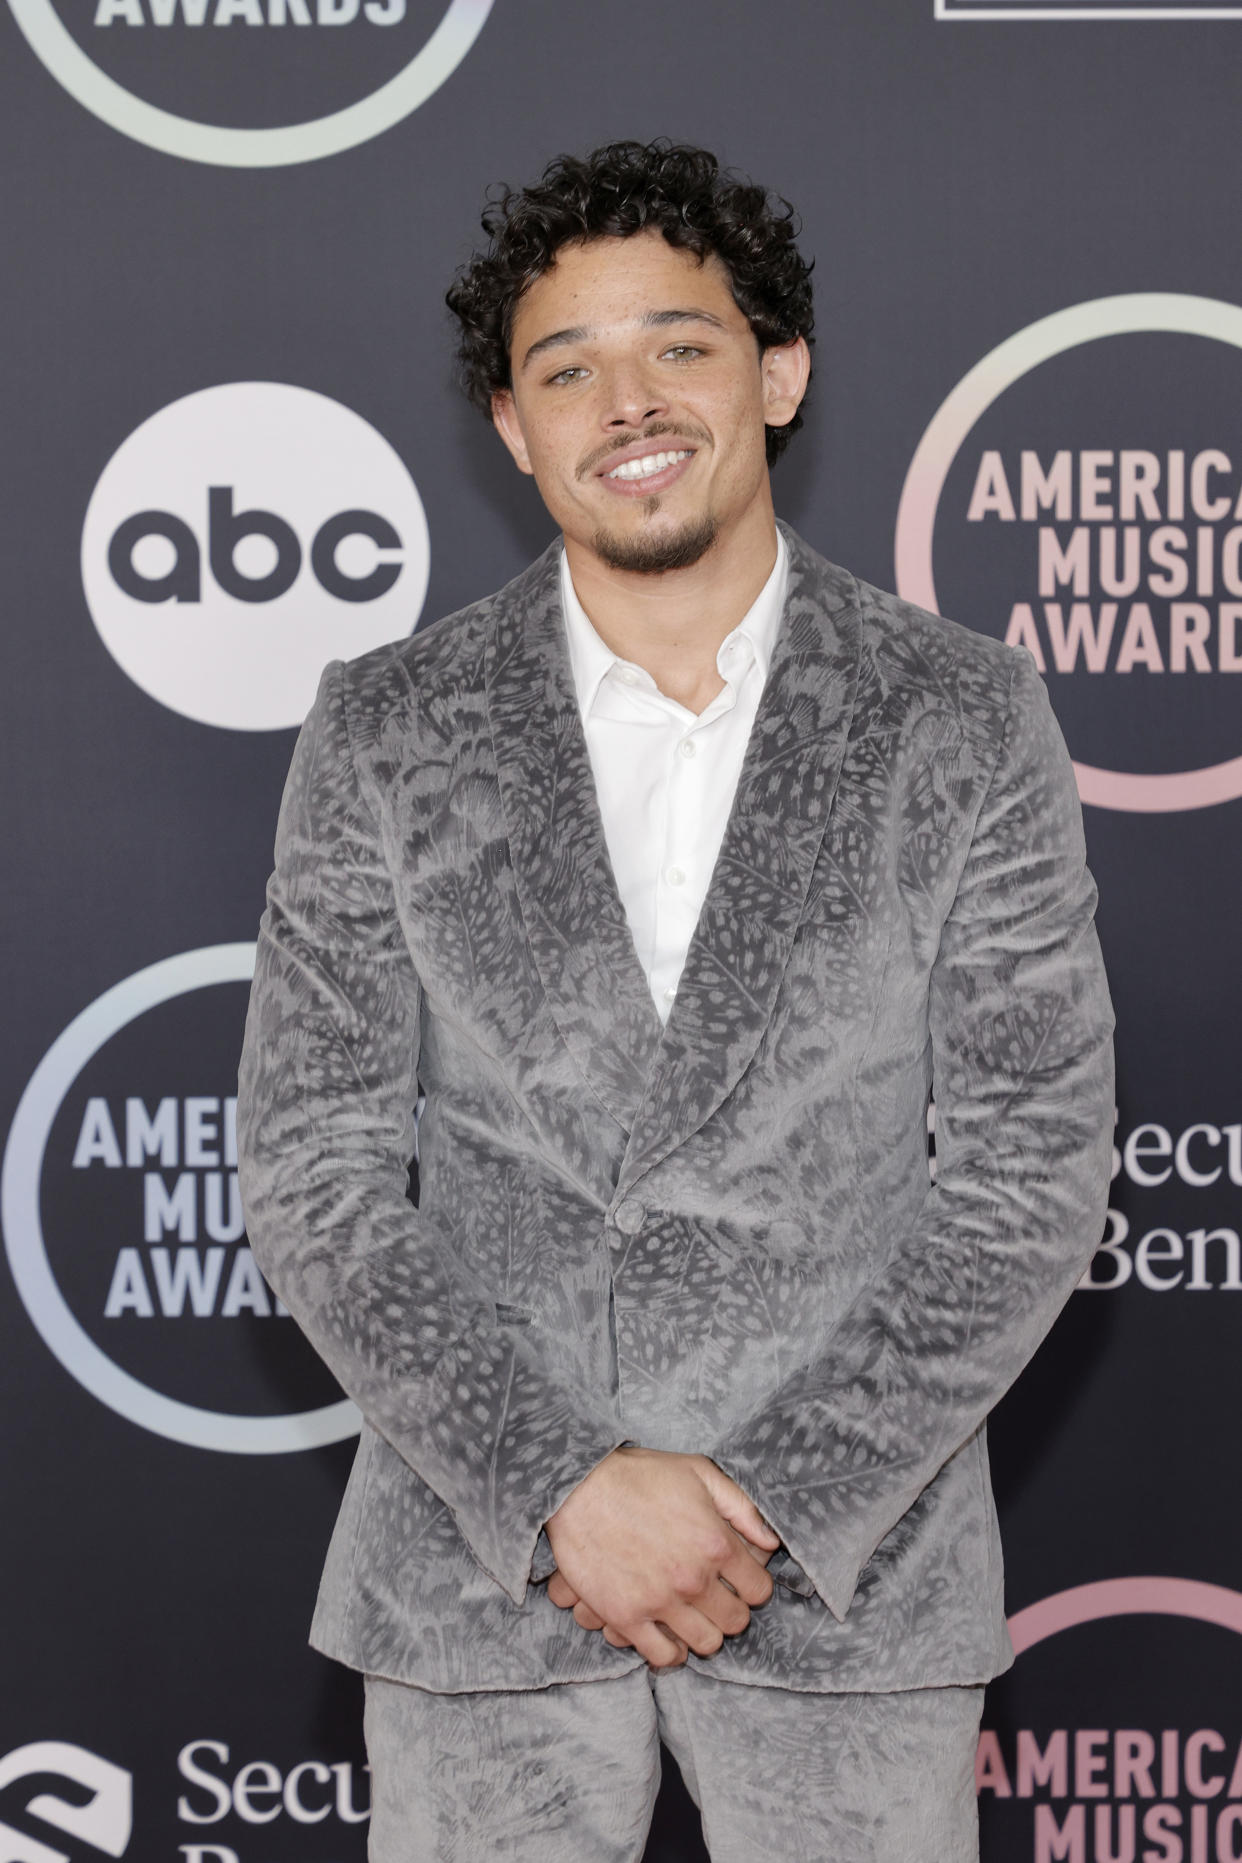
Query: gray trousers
[{"x": 569, "y": 1774}]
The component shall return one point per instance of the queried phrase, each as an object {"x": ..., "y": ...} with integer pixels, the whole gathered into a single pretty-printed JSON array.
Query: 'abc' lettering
[{"x": 226, "y": 528}]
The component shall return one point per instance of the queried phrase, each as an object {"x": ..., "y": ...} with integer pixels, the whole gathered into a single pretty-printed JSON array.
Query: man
[{"x": 675, "y": 873}]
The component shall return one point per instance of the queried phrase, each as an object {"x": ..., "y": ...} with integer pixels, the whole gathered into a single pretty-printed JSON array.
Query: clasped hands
[{"x": 661, "y": 1552}]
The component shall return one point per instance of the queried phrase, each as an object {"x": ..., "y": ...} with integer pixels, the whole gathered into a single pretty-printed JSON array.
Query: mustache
[{"x": 657, "y": 430}]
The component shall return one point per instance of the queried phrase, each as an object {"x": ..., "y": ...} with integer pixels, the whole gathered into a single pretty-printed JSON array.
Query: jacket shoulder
[
  {"x": 434, "y": 679},
  {"x": 939, "y": 663},
  {"x": 445, "y": 654},
  {"x": 915, "y": 664}
]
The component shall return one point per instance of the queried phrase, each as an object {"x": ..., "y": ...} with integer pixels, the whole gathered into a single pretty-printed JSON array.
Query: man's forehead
[{"x": 599, "y": 283}]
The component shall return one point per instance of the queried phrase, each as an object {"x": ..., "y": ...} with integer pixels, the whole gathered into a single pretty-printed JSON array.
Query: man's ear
[
  {"x": 505, "y": 421},
  {"x": 786, "y": 370}
]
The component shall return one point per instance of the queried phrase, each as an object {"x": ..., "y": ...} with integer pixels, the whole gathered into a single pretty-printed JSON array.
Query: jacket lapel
[
  {"x": 758, "y": 889},
  {"x": 574, "y": 918}
]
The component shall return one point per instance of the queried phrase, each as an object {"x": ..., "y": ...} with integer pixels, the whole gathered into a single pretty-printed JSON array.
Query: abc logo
[
  {"x": 226, "y": 529},
  {"x": 241, "y": 538}
]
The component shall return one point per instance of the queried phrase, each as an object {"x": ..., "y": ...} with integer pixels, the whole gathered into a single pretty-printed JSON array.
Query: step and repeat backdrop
[{"x": 236, "y": 450}]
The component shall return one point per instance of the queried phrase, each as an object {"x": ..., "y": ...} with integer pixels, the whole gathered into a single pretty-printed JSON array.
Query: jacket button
[{"x": 629, "y": 1216}]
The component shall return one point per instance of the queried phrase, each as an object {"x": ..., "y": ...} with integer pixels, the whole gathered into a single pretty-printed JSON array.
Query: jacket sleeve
[
  {"x": 327, "y": 1090},
  {"x": 1021, "y": 1027}
]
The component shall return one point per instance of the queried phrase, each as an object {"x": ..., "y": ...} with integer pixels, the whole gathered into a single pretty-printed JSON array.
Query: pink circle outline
[
  {"x": 1164, "y": 312},
  {"x": 1125, "y": 1597}
]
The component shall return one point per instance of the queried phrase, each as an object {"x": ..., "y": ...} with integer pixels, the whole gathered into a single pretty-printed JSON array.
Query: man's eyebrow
[
  {"x": 653, "y": 320},
  {"x": 658, "y": 319},
  {"x": 575, "y": 334}
]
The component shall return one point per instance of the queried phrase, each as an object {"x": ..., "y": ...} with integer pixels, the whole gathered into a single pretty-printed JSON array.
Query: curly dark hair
[{"x": 618, "y": 190}]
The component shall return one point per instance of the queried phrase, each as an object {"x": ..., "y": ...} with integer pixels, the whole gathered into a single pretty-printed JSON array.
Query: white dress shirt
[{"x": 665, "y": 777}]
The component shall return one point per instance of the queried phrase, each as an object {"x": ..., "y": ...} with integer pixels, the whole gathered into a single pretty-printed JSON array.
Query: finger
[
  {"x": 736, "y": 1507},
  {"x": 724, "y": 1607},
  {"x": 696, "y": 1629},
  {"x": 682, "y": 1648},
  {"x": 561, "y": 1591},
  {"x": 750, "y": 1580},
  {"x": 661, "y": 1650},
  {"x": 589, "y": 1619},
  {"x": 615, "y": 1637},
  {"x": 671, "y": 1652}
]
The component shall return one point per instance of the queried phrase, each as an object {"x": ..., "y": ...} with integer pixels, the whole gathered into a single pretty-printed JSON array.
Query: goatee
[{"x": 652, "y": 556}]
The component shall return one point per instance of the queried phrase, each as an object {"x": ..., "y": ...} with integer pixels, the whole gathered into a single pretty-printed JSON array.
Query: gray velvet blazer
[{"x": 718, "y": 1236}]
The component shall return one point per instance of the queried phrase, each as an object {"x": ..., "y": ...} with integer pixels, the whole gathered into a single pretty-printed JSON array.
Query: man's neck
[{"x": 672, "y": 624}]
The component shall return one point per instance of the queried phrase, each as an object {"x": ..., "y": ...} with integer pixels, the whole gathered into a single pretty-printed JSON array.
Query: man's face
[{"x": 640, "y": 398}]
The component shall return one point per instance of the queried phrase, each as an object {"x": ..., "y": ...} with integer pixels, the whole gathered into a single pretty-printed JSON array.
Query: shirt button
[
  {"x": 686, "y": 747},
  {"x": 674, "y": 876},
  {"x": 627, "y": 675},
  {"x": 670, "y": 996},
  {"x": 629, "y": 1216}
]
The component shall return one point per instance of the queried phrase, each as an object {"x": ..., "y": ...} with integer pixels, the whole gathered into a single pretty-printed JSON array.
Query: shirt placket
[{"x": 685, "y": 865}]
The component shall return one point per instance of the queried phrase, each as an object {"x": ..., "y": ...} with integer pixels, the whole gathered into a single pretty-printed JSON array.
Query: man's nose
[{"x": 632, "y": 397}]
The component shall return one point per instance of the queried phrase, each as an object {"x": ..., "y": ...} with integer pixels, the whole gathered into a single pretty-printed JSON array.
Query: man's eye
[
  {"x": 683, "y": 352},
  {"x": 565, "y": 375}
]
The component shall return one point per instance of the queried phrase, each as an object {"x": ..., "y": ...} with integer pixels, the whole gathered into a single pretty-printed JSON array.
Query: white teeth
[{"x": 645, "y": 467}]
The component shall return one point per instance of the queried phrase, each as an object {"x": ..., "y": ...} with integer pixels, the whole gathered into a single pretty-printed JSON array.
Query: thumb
[{"x": 736, "y": 1507}]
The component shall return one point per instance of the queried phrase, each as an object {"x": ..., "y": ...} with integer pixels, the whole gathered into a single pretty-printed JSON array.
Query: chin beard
[{"x": 652, "y": 556}]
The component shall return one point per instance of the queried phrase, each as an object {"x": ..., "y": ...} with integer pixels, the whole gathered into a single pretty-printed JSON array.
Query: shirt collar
[{"x": 591, "y": 660}]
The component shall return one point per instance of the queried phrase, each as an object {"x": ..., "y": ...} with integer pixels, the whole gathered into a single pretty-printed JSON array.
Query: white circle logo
[
  {"x": 176, "y": 1133},
  {"x": 1126, "y": 521},
  {"x": 81, "y": 68},
  {"x": 240, "y": 539}
]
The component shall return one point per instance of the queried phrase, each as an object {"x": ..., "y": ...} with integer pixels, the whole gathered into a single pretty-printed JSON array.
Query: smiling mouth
[{"x": 648, "y": 466}]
